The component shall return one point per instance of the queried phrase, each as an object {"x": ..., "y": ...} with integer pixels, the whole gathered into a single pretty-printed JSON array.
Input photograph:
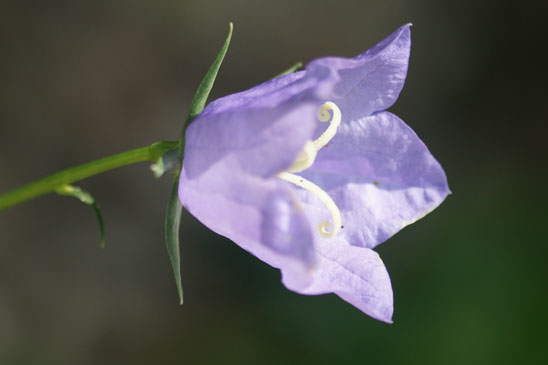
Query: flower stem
[{"x": 51, "y": 183}]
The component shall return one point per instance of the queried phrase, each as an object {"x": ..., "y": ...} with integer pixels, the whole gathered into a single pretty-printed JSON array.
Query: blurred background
[{"x": 86, "y": 79}]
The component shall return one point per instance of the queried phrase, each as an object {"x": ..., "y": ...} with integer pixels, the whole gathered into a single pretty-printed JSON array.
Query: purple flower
[{"x": 309, "y": 173}]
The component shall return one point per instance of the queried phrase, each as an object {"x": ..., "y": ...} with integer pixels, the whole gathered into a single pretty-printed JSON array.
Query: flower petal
[
  {"x": 260, "y": 141},
  {"x": 268, "y": 94},
  {"x": 259, "y": 215},
  {"x": 356, "y": 274},
  {"x": 381, "y": 176},
  {"x": 233, "y": 151},
  {"x": 367, "y": 83}
]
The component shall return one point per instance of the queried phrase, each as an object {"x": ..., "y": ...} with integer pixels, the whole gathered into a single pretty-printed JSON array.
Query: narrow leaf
[
  {"x": 86, "y": 198},
  {"x": 200, "y": 98},
  {"x": 290, "y": 70},
  {"x": 172, "y": 225}
]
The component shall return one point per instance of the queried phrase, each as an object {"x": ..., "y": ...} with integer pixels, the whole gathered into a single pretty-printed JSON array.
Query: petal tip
[{"x": 387, "y": 317}]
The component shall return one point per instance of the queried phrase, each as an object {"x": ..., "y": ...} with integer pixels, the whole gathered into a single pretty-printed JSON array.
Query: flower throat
[{"x": 305, "y": 159}]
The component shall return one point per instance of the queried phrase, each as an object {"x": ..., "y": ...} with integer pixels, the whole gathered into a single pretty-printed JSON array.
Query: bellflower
[{"x": 309, "y": 173}]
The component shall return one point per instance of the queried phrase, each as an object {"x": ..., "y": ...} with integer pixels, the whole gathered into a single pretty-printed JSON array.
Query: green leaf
[
  {"x": 200, "y": 98},
  {"x": 290, "y": 70},
  {"x": 172, "y": 225},
  {"x": 86, "y": 198}
]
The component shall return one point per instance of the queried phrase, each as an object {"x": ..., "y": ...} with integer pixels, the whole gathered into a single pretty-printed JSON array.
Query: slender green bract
[
  {"x": 172, "y": 226},
  {"x": 86, "y": 198},
  {"x": 53, "y": 182},
  {"x": 174, "y": 207},
  {"x": 200, "y": 98},
  {"x": 290, "y": 70}
]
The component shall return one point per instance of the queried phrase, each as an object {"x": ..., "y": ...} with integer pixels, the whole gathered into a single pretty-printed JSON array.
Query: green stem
[{"x": 51, "y": 183}]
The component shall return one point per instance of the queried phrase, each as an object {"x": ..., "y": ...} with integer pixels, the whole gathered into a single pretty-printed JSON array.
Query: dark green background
[{"x": 86, "y": 79}]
